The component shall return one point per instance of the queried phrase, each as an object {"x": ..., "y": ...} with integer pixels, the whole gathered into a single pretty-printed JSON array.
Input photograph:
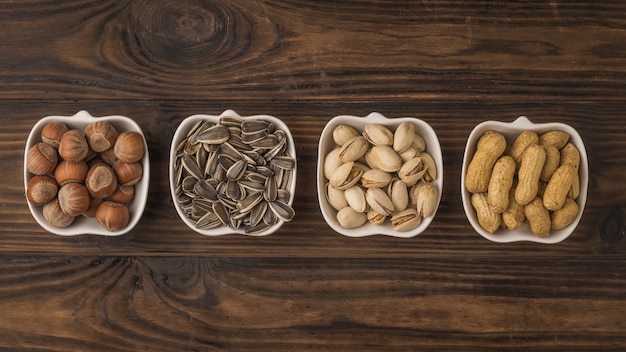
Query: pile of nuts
[
  {"x": 534, "y": 180},
  {"x": 378, "y": 174},
  {"x": 90, "y": 173},
  {"x": 236, "y": 173}
]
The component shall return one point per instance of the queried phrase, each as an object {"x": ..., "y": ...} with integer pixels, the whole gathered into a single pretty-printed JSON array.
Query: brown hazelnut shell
[
  {"x": 73, "y": 146},
  {"x": 129, "y": 147},
  {"x": 128, "y": 174},
  {"x": 52, "y": 132},
  {"x": 73, "y": 199},
  {"x": 55, "y": 216},
  {"x": 70, "y": 171},
  {"x": 112, "y": 216},
  {"x": 42, "y": 158},
  {"x": 41, "y": 189},
  {"x": 100, "y": 135},
  {"x": 101, "y": 181}
]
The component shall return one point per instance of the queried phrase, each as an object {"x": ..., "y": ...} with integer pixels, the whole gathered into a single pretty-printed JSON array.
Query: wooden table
[{"x": 454, "y": 64}]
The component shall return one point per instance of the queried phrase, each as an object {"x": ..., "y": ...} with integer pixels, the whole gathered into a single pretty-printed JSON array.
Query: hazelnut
[
  {"x": 91, "y": 154},
  {"x": 128, "y": 174},
  {"x": 70, "y": 171},
  {"x": 73, "y": 199},
  {"x": 112, "y": 216},
  {"x": 100, "y": 135},
  {"x": 73, "y": 146},
  {"x": 129, "y": 146},
  {"x": 101, "y": 181},
  {"x": 55, "y": 216},
  {"x": 123, "y": 194},
  {"x": 108, "y": 156},
  {"x": 41, "y": 189},
  {"x": 93, "y": 206},
  {"x": 52, "y": 132},
  {"x": 41, "y": 159}
]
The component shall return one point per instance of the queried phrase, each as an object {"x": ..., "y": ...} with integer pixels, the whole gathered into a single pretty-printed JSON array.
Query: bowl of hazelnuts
[{"x": 86, "y": 174}]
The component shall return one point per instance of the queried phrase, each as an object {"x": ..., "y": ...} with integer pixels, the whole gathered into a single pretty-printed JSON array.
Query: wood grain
[
  {"x": 454, "y": 64},
  {"x": 216, "y": 304},
  {"x": 265, "y": 50}
]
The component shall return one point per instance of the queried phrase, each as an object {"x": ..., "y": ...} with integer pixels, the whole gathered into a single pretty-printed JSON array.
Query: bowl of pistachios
[
  {"x": 232, "y": 174},
  {"x": 379, "y": 175}
]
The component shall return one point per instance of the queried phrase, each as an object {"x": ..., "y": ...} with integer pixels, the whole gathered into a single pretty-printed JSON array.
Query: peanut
[
  {"x": 500, "y": 184},
  {"x": 553, "y": 160},
  {"x": 570, "y": 154},
  {"x": 529, "y": 172},
  {"x": 561, "y": 218},
  {"x": 538, "y": 217},
  {"x": 513, "y": 217},
  {"x": 523, "y": 141},
  {"x": 488, "y": 149},
  {"x": 555, "y": 138},
  {"x": 487, "y": 219},
  {"x": 558, "y": 187}
]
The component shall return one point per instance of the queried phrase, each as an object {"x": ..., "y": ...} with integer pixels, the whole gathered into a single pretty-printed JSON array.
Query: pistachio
[
  {"x": 385, "y": 158},
  {"x": 399, "y": 194},
  {"x": 378, "y": 134},
  {"x": 403, "y": 137},
  {"x": 427, "y": 200},
  {"x": 336, "y": 198},
  {"x": 406, "y": 220},
  {"x": 379, "y": 201},
  {"x": 375, "y": 178},
  {"x": 375, "y": 218},
  {"x": 355, "y": 196},
  {"x": 409, "y": 154},
  {"x": 418, "y": 142},
  {"x": 343, "y": 133},
  {"x": 350, "y": 218},
  {"x": 412, "y": 171},
  {"x": 345, "y": 176},
  {"x": 429, "y": 165},
  {"x": 353, "y": 149},
  {"x": 331, "y": 162}
]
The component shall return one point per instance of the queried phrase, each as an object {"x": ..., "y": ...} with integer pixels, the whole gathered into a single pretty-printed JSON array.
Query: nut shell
[
  {"x": 55, "y": 216},
  {"x": 41, "y": 159},
  {"x": 73, "y": 199},
  {"x": 73, "y": 146},
  {"x": 123, "y": 194},
  {"x": 129, "y": 147},
  {"x": 128, "y": 174},
  {"x": 52, "y": 132},
  {"x": 41, "y": 189},
  {"x": 112, "y": 216},
  {"x": 101, "y": 181},
  {"x": 101, "y": 135},
  {"x": 70, "y": 171}
]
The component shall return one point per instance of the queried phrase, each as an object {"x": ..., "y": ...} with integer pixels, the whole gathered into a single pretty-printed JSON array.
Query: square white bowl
[
  {"x": 83, "y": 225},
  {"x": 181, "y": 133},
  {"x": 326, "y": 144},
  {"x": 511, "y": 131}
]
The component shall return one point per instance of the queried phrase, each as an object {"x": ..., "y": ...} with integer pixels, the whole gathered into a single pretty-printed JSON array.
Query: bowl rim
[
  {"x": 433, "y": 148},
  {"x": 511, "y": 130},
  {"x": 183, "y": 128},
  {"x": 84, "y": 225}
]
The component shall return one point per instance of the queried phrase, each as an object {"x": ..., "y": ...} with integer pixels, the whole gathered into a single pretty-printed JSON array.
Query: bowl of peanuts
[
  {"x": 524, "y": 181},
  {"x": 378, "y": 175}
]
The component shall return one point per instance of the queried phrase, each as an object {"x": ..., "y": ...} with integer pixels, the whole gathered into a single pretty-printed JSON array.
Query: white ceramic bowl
[
  {"x": 181, "y": 133},
  {"x": 84, "y": 225},
  {"x": 327, "y": 143},
  {"x": 510, "y": 132}
]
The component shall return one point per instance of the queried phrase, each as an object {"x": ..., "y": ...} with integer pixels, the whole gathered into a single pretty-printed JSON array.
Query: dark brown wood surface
[{"x": 454, "y": 64}]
